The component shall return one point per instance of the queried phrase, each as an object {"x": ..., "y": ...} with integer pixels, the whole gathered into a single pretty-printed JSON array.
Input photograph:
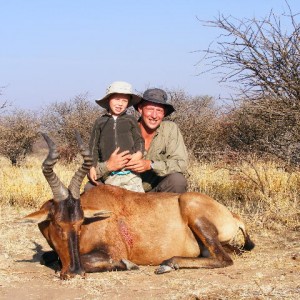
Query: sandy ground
[{"x": 271, "y": 271}]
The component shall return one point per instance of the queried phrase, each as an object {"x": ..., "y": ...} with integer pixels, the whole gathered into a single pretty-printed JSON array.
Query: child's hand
[{"x": 92, "y": 175}]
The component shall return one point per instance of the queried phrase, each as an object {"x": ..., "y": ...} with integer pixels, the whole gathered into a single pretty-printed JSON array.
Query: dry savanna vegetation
[
  {"x": 260, "y": 189},
  {"x": 245, "y": 154},
  {"x": 262, "y": 192}
]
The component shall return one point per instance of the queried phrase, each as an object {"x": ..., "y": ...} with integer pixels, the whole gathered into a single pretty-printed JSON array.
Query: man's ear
[{"x": 140, "y": 106}]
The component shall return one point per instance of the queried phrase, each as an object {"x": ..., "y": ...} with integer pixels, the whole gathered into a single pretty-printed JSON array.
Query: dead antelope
[{"x": 109, "y": 228}]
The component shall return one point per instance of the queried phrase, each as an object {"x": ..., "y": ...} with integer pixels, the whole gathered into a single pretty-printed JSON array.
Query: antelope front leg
[{"x": 96, "y": 263}]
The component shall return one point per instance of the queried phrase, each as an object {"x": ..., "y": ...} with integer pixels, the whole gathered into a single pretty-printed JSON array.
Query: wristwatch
[{"x": 152, "y": 164}]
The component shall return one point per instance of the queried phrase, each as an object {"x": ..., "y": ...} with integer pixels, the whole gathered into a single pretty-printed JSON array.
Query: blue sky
[{"x": 54, "y": 50}]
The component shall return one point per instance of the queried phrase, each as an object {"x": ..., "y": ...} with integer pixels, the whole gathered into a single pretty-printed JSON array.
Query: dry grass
[
  {"x": 25, "y": 185},
  {"x": 263, "y": 191}
]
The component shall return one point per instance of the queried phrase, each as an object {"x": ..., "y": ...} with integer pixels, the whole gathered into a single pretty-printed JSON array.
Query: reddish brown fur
[{"x": 149, "y": 229}]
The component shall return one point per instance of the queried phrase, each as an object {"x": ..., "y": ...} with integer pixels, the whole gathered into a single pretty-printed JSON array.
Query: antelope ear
[
  {"x": 96, "y": 213},
  {"x": 36, "y": 217}
]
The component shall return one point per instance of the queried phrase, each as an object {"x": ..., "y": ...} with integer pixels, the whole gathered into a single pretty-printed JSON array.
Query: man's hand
[
  {"x": 118, "y": 161},
  {"x": 139, "y": 166}
]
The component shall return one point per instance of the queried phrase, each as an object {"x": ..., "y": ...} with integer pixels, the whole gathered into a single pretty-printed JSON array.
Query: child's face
[{"x": 118, "y": 103}]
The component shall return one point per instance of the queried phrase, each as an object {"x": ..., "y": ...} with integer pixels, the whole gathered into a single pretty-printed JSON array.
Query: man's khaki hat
[{"x": 119, "y": 87}]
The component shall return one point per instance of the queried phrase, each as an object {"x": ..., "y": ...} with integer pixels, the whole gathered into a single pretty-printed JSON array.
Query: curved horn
[
  {"x": 78, "y": 177},
  {"x": 60, "y": 192}
]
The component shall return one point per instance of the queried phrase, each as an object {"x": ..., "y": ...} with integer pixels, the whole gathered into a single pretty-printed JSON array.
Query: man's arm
[{"x": 139, "y": 166}]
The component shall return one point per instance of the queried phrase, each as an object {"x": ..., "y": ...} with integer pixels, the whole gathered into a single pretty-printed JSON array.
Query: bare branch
[
  {"x": 261, "y": 58},
  {"x": 258, "y": 55}
]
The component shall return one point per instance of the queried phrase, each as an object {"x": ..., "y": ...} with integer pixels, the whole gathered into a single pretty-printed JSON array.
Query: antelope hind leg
[{"x": 208, "y": 235}]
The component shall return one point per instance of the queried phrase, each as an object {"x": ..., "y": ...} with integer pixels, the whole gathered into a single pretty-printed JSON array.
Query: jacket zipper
[{"x": 115, "y": 132}]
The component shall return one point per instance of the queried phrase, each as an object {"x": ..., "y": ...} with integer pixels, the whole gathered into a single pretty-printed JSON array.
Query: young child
[{"x": 115, "y": 130}]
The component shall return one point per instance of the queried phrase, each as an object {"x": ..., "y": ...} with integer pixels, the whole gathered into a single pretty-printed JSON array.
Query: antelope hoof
[
  {"x": 65, "y": 276},
  {"x": 129, "y": 265},
  {"x": 163, "y": 269}
]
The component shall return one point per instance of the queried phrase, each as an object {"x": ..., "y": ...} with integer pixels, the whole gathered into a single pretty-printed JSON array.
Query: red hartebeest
[{"x": 110, "y": 228}]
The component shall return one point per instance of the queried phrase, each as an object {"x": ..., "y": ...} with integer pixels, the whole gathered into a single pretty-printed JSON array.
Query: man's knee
[
  {"x": 177, "y": 182},
  {"x": 173, "y": 183}
]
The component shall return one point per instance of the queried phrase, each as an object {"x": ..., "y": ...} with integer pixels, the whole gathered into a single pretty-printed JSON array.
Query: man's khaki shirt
[{"x": 168, "y": 152}]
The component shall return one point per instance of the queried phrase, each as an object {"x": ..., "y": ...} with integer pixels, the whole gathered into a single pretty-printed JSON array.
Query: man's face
[
  {"x": 152, "y": 114},
  {"x": 118, "y": 103}
]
